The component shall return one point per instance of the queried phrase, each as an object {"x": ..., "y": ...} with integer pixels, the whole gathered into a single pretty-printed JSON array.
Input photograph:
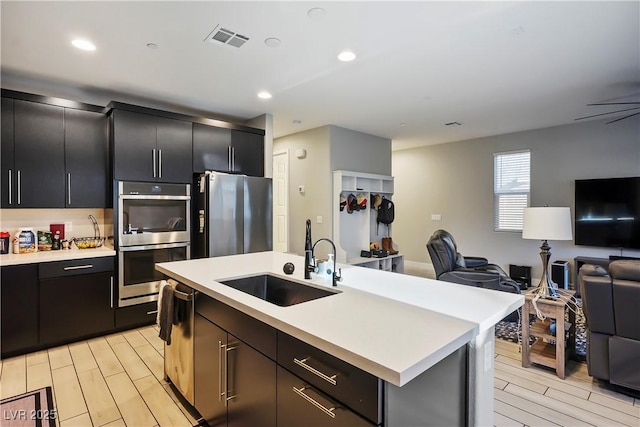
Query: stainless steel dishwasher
[{"x": 178, "y": 357}]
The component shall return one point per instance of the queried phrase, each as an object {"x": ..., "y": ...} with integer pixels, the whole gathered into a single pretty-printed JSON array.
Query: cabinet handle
[
  {"x": 69, "y": 188},
  {"x": 159, "y": 163},
  {"x": 300, "y": 392},
  {"x": 220, "y": 348},
  {"x": 19, "y": 188},
  {"x": 10, "y": 185},
  {"x": 78, "y": 267},
  {"x": 153, "y": 160},
  {"x": 330, "y": 379},
  {"x": 233, "y": 159},
  {"x": 152, "y": 312},
  {"x": 111, "y": 291},
  {"x": 229, "y": 157},
  {"x": 227, "y": 398}
]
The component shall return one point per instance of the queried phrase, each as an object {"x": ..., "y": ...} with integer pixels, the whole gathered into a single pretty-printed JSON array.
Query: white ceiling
[{"x": 495, "y": 67}]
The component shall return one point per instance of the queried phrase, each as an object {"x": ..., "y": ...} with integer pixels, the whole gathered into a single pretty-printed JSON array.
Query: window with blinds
[{"x": 512, "y": 184}]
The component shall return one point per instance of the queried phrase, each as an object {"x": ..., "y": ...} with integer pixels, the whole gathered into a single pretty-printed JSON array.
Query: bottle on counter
[
  {"x": 27, "y": 241},
  {"x": 55, "y": 245},
  {"x": 5, "y": 239}
]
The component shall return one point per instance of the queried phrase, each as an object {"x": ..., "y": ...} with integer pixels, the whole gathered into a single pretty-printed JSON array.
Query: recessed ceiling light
[
  {"x": 346, "y": 56},
  {"x": 272, "y": 42},
  {"x": 403, "y": 124},
  {"x": 152, "y": 45},
  {"x": 316, "y": 13},
  {"x": 83, "y": 44},
  {"x": 264, "y": 95}
]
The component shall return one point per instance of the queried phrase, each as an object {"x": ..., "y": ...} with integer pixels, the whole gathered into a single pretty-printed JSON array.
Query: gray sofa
[{"x": 611, "y": 304}]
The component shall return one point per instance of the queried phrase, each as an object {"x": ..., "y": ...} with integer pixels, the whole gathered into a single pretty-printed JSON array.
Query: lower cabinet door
[
  {"x": 251, "y": 386},
  {"x": 75, "y": 307},
  {"x": 300, "y": 404},
  {"x": 18, "y": 309},
  {"x": 209, "y": 351}
]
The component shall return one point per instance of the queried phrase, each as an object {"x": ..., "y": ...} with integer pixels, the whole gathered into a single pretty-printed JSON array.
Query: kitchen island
[{"x": 397, "y": 328}]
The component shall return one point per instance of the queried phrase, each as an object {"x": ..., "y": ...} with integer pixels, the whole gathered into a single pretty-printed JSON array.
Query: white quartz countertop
[
  {"x": 60, "y": 255},
  {"x": 372, "y": 322}
]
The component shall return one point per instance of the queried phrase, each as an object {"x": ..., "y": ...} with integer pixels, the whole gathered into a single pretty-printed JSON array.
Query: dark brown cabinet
[
  {"x": 35, "y": 173},
  {"x": 86, "y": 159},
  {"x": 19, "y": 309},
  {"x": 76, "y": 299},
  {"x": 227, "y": 150},
  {"x": 248, "y": 153},
  {"x": 150, "y": 148},
  {"x": 235, "y": 384},
  {"x": 301, "y": 404},
  {"x": 52, "y": 157}
]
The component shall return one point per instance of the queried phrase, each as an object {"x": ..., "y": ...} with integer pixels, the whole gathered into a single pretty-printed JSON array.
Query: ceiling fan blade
[
  {"x": 611, "y": 112},
  {"x": 622, "y": 118},
  {"x": 616, "y": 103}
]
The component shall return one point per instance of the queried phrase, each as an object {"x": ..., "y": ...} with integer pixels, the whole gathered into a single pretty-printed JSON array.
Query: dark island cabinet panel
[
  {"x": 38, "y": 155},
  {"x": 86, "y": 159},
  {"x": 19, "y": 309},
  {"x": 248, "y": 153},
  {"x": 151, "y": 149}
]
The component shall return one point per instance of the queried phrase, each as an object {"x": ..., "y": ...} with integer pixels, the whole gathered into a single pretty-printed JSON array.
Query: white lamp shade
[{"x": 547, "y": 223}]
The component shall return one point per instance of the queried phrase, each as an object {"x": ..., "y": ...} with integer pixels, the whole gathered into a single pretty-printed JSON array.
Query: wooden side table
[{"x": 542, "y": 351}]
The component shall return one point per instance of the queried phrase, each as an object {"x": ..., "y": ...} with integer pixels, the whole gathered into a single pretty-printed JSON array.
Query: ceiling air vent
[{"x": 226, "y": 36}]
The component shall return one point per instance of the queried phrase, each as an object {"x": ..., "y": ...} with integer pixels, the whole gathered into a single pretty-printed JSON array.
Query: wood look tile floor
[{"x": 117, "y": 380}]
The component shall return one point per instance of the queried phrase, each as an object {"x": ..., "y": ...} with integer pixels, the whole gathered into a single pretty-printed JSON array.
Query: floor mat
[{"x": 31, "y": 409}]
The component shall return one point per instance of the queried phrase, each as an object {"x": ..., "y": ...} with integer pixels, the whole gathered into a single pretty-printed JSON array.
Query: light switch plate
[
  {"x": 319, "y": 219},
  {"x": 436, "y": 217}
]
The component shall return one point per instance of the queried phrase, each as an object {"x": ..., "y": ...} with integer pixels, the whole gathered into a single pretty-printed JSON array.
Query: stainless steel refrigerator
[{"x": 234, "y": 214}]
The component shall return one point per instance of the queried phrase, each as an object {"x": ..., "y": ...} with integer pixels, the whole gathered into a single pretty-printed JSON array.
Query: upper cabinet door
[
  {"x": 39, "y": 154},
  {"x": 8, "y": 176},
  {"x": 134, "y": 146},
  {"x": 174, "y": 151},
  {"x": 211, "y": 148},
  {"x": 86, "y": 159},
  {"x": 248, "y": 153}
]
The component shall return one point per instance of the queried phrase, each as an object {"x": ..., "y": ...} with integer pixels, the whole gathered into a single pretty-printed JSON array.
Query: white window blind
[{"x": 512, "y": 184}]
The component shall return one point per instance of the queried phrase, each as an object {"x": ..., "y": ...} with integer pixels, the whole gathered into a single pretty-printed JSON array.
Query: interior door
[{"x": 281, "y": 201}]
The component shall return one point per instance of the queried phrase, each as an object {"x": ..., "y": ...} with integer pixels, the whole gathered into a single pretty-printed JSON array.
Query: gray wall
[
  {"x": 456, "y": 181},
  {"x": 328, "y": 148}
]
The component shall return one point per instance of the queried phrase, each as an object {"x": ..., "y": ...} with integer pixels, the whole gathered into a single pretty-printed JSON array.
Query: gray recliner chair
[
  {"x": 611, "y": 305},
  {"x": 451, "y": 266}
]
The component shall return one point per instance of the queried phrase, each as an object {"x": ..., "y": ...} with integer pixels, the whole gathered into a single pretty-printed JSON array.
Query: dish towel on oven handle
[{"x": 165, "y": 315}]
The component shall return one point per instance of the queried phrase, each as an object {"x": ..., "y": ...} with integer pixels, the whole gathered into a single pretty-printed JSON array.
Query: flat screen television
[{"x": 607, "y": 212}]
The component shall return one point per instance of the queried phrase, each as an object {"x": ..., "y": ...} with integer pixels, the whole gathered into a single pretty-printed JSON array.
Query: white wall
[
  {"x": 456, "y": 181},
  {"x": 328, "y": 148}
]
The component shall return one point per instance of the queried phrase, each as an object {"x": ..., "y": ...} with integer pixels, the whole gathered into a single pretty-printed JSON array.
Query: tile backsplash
[{"x": 12, "y": 220}]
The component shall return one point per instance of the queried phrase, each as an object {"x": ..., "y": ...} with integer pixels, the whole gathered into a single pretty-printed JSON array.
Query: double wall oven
[{"x": 153, "y": 224}]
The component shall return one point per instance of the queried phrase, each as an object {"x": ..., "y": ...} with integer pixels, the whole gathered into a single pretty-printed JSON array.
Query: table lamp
[{"x": 546, "y": 223}]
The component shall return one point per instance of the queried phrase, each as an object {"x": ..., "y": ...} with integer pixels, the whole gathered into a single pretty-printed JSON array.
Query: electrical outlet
[
  {"x": 319, "y": 219},
  {"x": 436, "y": 217},
  {"x": 68, "y": 226}
]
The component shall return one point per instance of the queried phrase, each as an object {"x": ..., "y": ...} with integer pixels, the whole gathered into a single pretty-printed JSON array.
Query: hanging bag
[{"x": 386, "y": 213}]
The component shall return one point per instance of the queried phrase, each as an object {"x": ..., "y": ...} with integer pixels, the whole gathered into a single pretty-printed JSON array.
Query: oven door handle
[
  {"x": 151, "y": 197},
  {"x": 149, "y": 247}
]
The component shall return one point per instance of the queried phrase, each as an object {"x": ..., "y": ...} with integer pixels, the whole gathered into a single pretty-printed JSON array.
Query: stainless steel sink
[{"x": 277, "y": 290}]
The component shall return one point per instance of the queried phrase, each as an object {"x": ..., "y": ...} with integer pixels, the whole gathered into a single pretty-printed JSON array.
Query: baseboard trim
[{"x": 423, "y": 269}]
